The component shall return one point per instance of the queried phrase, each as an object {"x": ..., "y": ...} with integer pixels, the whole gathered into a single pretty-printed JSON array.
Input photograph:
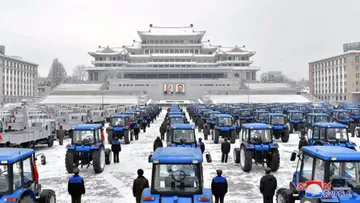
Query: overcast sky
[{"x": 286, "y": 34}]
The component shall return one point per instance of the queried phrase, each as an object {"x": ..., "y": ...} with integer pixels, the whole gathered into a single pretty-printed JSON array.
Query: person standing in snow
[
  {"x": 140, "y": 183},
  {"x": 162, "y": 131},
  {"x": 202, "y": 145},
  {"x": 225, "y": 150},
  {"x": 157, "y": 143},
  {"x": 116, "y": 148},
  {"x": 219, "y": 187},
  {"x": 200, "y": 124},
  {"x": 268, "y": 185},
  {"x": 206, "y": 130},
  {"x": 76, "y": 187},
  {"x": 302, "y": 142},
  {"x": 61, "y": 135}
]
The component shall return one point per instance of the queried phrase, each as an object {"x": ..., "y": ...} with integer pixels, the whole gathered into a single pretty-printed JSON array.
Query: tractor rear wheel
[
  {"x": 99, "y": 160},
  {"x": 284, "y": 196},
  {"x": 50, "y": 141},
  {"x": 285, "y": 136},
  {"x": 69, "y": 161},
  {"x": 47, "y": 196},
  {"x": 27, "y": 199},
  {"x": 236, "y": 155},
  {"x": 216, "y": 136},
  {"x": 274, "y": 160},
  {"x": 245, "y": 159},
  {"x": 107, "y": 156},
  {"x": 233, "y": 137},
  {"x": 126, "y": 137},
  {"x": 291, "y": 127}
]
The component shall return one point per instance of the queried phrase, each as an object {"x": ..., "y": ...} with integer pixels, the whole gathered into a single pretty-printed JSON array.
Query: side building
[
  {"x": 18, "y": 78},
  {"x": 336, "y": 78},
  {"x": 172, "y": 63}
]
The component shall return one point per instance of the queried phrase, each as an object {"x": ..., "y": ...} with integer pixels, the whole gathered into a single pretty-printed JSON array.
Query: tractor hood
[
  {"x": 225, "y": 128},
  {"x": 296, "y": 121},
  {"x": 246, "y": 117},
  {"x": 278, "y": 127},
  {"x": 345, "y": 121},
  {"x": 118, "y": 128}
]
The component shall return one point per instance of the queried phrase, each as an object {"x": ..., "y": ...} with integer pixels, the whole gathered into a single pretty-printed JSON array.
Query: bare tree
[
  {"x": 57, "y": 73},
  {"x": 80, "y": 73}
]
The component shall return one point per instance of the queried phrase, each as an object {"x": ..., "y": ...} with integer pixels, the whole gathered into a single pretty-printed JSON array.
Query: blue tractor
[
  {"x": 177, "y": 176},
  {"x": 312, "y": 118},
  {"x": 335, "y": 169},
  {"x": 332, "y": 134},
  {"x": 256, "y": 143},
  {"x": 245, "y": 116},
  {"x": 296, "y": 119},
  {"x": 344, "y": 117},
  {"x": 181, "y": 135},
  {"x": 279, "y": 126},
  {"x": 224, "y": 128},
  {"x": 355, "y": 115},
  {"x": 87, "y": 148},
  {"x": 17, "y": 180},
  {"x": 119, "y": 126},
  {"x": 261, "y": 116}
]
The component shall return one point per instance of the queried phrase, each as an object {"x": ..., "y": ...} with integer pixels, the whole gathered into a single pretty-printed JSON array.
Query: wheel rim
[
  {"x": 102, "y": 158},
  {"x": 242, "y": 157},
  {"x": 52, "y": 199},
  {"x": 280, "y": 199}
]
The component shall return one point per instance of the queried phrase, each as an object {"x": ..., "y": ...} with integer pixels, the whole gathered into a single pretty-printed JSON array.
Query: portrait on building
[
  {"x": 168, "y": 89},
  {"x": 180, "y": 88}
]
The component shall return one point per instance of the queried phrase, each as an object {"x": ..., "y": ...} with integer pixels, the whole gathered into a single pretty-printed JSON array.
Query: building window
[
  {"x": 146, "y": 51},
  {"x": 236, "y": 75},
  {"x": 96, "y": 78},
  {"x": 357, "y": 58}
]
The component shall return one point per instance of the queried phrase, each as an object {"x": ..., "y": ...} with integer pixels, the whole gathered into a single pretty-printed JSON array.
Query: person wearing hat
[
  {"x": 219, "y": 187},
  {"x": 116, "y": 148},
  {"x": 157, "y": 143},
  {"x": 202, "y": 145},
  {"x": 76, "y": 186},
  {"x": 225, "y": 150},
  {"x": 268, "y": 185},
  {"x": 140, "y": 183}
]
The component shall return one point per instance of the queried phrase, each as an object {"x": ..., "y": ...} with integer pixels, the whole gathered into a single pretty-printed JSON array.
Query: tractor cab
[
  {"x": 119, "y": 127},
  {"x": 19, "y": 176},
  {"x": 279, "y": 126},
  {"x": 86, "y": 135},
  {"x": 296, "y": 119},
  {"x": 235, "y": 112},
  {"x": 344, "y": 117},
  {"x": 224, "y": 127},
  {"x": 245, "y": 116},
  {"x": 181, "y": 135},
  {"x": 333, "y": 134},
  {"x": 261, "y": 116},
  {"x": 336, "y": 168},
  {"x": 312, "y": 118},
  {"x": 176, "y": 119},
  {"x": 276, "y": 110},
  {"x": 177, "y": 174},
  {"x": 316, "y": 110},
  {"x": 256, "y": 143}
]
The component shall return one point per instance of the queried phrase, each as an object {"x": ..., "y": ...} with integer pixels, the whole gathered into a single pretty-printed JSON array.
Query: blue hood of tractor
[
  {"x": 118, "y": 128},
  {"x": 278, "y": 127},
  {"x": 355, "y": 117},
  {"x": 262, "y": 147},
  {"x": 227, "y": 128},
  {"x": 263, "y": 121},
  {"x": 296, "y": 121},
  {"x": 246, "y": 117},
  {"x": 82, "y": 148},
  {"x": 344, "y": 121}
]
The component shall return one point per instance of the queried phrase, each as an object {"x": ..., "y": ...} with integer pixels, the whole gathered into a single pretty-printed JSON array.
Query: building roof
[
  {"x": 268, "y": 86},
  {"x": 18, "y": 58},
  {"x": 177, "y": 155},
  {"x": 109, "y": 51},
  {"x": 171, "y": 31},
  {"x": 88, "y": 127},
  {"x": 258, "y": 99},
  {"x": 90, "y": 99},
  {"x": 338, "y": 55},
  {"x": 78, "y": 87},
  {"x": 256, "y": 126},
  {"x": 332, "y": 153},
  {"x": 329, "y": 125},
  {"x": 12, "y": 155}
]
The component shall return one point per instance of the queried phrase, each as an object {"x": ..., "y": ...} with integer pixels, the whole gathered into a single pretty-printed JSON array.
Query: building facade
[
  {"x": 336, "y": 78},
  {"x": 172, "y": 63},
  {"x": 18, "y": 78}
]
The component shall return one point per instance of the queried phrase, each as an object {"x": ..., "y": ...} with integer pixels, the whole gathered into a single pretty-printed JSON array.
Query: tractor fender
[
  {"x": 247, "y": 145},
  {"x": 19, "y": 193},
  {"x": 206, "y": 193},
  {"x": 70, "y": 147},
  {"x": 350, "y": 144},
  {"x": 273, "y": 145},
  {"x": 147, "y": 192}
]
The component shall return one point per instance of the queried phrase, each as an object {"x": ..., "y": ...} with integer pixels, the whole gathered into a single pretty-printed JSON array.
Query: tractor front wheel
[
  {"x": 291, "y": 127},
  {"x": 99, "y": 160},
  {"x": 69, "y": 161},
  {"x": 236, "y": 155},
  {"x": 27, "y": 199},
  {"x": 274, "y": 160},
  {"x": 285, "y": 136},
  {"x": 216, "y": 136},
  {"x": 47, "y": 196},
  {"x": 284, "y": 196},
  {"x": 107, "y": 156},
  {"x": 50, "y": 141},
  {"x": 233, "y": 137},
  {"x": 245, "y": 159},
  {"x": 126, "y": 137}
]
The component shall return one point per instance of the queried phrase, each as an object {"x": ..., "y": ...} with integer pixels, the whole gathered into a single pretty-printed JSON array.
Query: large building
[
  {"x": 337, "y": 78},
  {"x": 18, "y": 78},
  {"x": 172, "y": 63}
]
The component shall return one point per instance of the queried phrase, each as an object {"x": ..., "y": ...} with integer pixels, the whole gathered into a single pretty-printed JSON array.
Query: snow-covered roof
[
  {"x": 338, "y": 55},
  {"x": 268, "y": 86},
  {"x": 135, "y": 45},
  {"x": 218, "y": 99},
  {"x": 78, "y": 87},
  {"x": 109, "y": 51},
  {"x": 90, "y": 99},
  {"x": 171, "y": 31},
  {"x": 234, "y": 51},
  {"x": 18, "y": 58},
  {"x": 208, "y": 45}
]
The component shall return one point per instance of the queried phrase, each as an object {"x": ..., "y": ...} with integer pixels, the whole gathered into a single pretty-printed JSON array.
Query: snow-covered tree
[
  {"x": 80, "y": 73},
  {"x": 57, "y": 73}
]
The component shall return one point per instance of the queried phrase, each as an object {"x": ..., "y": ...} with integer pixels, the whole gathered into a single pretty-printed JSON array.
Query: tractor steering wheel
[{"x": 182, "y": 175}]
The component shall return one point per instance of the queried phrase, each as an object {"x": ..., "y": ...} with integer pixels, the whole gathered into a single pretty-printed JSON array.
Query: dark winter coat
[
  {"x": 76, "y": 186},
  {"x": 162, "y": 129},
  {"x": 61, "y": 133},
  {"x": 140, "y": 183},
  {"x": 206, "y": 130},
  {"x": 268, "y": 185},
  {"x": 202, "y": 146},
  {"x": 116, "y": 146},
  {"x": 225, "y": 147},
  {"x": 200, "y": 123},
  {"x": 302, "y": 143},
  {"x": 219, "y": 186},
  {"x": 157, "y": 143}
]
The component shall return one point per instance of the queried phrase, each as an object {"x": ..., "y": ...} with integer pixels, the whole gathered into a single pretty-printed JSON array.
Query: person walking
[
  {"x": 140, "y": 183},
  {"x": 157, "y": 143},
  {"x": 61, "y": 135},
  {"x": 200, "y": 124},
  {"x": 302, "y": 142},
  {"x": 76, "y": 186},
  {"x": 219, "y": 187},
  {"x": 116, "y": 148},
  {"x": 268, "y": 185},
  {"x": 202, "y": 145},
  {"x": 206, "y": 130},
  {"x": 225, "y": 150},
  {"x": 162, "y": 131}
]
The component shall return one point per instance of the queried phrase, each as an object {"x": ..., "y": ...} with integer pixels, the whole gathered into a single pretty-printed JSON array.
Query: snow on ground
[{"x": 114, "y": 185}]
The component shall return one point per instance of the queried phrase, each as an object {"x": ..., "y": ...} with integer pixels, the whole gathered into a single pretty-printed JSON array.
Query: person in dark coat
[
  {"x": 116, "y": 148},
  {"x": 61, "y": 135},
  {"x": 219, "y": 187},
  {"x": 302, "y": 142},
  {"x": 162, "y": 131},
  {"x": 200, "y": 124},
  {"x": 202, "y": 145},
  {"x": 225, "y": 150},
  {"x": 268, "y": 185},
  {"x": 144, "y": 124},
  {"x": 157, "y": 143},
  {"x": 206, "y": 130},
  {"x": 140, "y": 183},
  {"x": 76, "y": 186}
]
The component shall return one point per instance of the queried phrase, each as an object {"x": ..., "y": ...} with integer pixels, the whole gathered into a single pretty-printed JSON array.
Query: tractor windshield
[
  {"x": 344, "y": 174},
  {"x": 118, "y": 122},
  {"x": 263, "y": 116},
  {"x": 355, "y": 112},
  {"x": 297, "y": 116},
  {"x": 260, "y": 136},
  {"x": 344, "y": 115},
  {"x": 183, "y": 136},
  {"x": 176, "y": 120},
  {"x": 212, "y": 116},
  {"x": 336, "y": 135},
  {"x": 245, "y": 113},
  {"x": 4, "y": 179},
  {"x": 177, "y": 178},
  {"x": 83, "y": 137},
  {"x": 321, "y": 119},
  {"x": 278, "y": 120},
  {"x": 235, "y": 110},
  {"x": 225, "y": 121}
]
